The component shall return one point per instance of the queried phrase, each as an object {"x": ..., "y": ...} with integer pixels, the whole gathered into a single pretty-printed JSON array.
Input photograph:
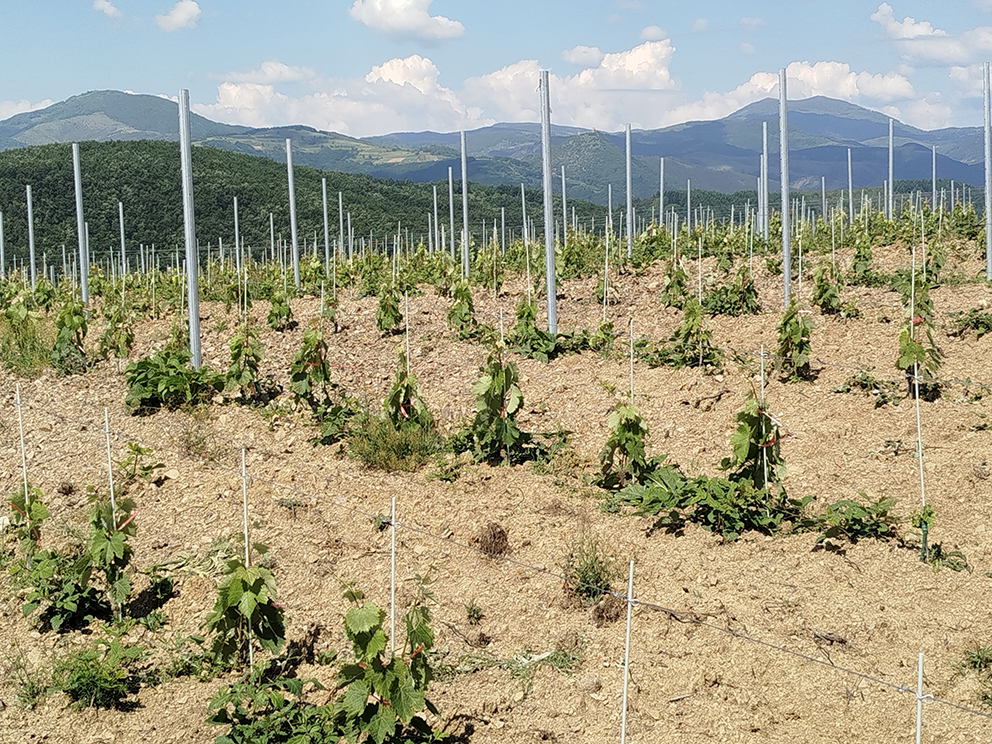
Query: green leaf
[
  {"x": 355, "y": 698},
  {"x": 363, "y": 619},
  {"x": 382, "y": 724}
]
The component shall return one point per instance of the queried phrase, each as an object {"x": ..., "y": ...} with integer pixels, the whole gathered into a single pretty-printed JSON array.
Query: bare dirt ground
[{"x": 767, "y": 627}]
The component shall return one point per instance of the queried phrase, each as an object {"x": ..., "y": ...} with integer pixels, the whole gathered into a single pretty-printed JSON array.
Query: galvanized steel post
[
  {"x": 783, "y": 135},
  {"x": 549, "y": 236},
  {"x": 189, "y": 230}
]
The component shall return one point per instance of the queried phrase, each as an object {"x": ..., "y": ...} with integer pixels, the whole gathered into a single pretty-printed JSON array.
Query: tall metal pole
[
  {"x": 661, "y": 194},
  {"x": 630, "y": 199},
  {"x": 189, "y": 230},
  {"x": 120, "y": 215},
  {"x": 292, "y": 213},
  {"x": 933, "y": 179},
  {"x": 237, "y": 239},
  {"x": 988, "y": 174},
  {"x": 451, "y": 211},
  {"x": 549, "y": 226},
  {"x": 850, "y": 188},
  {"x": 764, "y": 185},
  {"x": 31, "y": 235},
  {"x": 564, "y": 211},
  {"x": 272, "y": 238},
  {"x": 890, "y": 202},
  {"x": 3, "y": 258},
  {"x": 327, "y": 227},
  {"x": 783, "y": 129},
  {"x": 84, "y": 266},
  {"x": 465, "y": 260},
  {"x": 688, "y": 205},
  {"x": 341, "y": 226},
  {"x": 823, "y": 197},
  {"x": 523, "y": 210},
  {"x": 437, "y": 227}
]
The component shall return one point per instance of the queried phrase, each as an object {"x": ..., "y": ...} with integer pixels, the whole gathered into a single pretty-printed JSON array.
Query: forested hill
[{"x": 145, "y": 177}]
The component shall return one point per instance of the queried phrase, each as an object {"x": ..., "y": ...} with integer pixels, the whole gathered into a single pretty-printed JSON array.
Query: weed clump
[
  {"x": 493, "y": 540},
  {"x": 589, "y": 570}
]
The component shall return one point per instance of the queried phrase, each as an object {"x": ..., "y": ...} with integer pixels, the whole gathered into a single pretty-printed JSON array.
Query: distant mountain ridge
[{"x": 722, "y": 155}]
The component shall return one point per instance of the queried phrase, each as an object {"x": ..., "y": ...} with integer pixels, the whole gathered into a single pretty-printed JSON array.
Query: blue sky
[{"x": 374, "y": 66}]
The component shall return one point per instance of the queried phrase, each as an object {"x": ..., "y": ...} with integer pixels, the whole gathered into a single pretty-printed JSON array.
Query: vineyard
[{"x": 391, "y": 506}]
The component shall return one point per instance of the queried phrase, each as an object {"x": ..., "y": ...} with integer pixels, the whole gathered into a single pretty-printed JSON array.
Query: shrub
[
  {"x": 825, "y": 295},
  {"x": 588, "y": 569},
  {"x": 280, "y": 315},
  {"x": 855, "y": 519},
  {"x": 246, "y": 357},
  {"x": 164, "y": 380},
  {"x": 377, "y": 698},
  {"x": 622, "y": 459},
  {"x": 310, "y": 381},
  {"x": 379, "y": 444},
  {"x": 68, "y": 355},
  {"x": 99, "y": 676},
  {"x": 794, "y": 330},
  {"x": 245, "y": 612},
  {"x": 692, "y": 343},
  {"x": 388, "y": 316},
  {"x": 25, "y": 339},
  {"x": 118, "y": 332},
  {"x": 739, "y": 297},
  {"x": 493, "y": 436},
  {"x": 461, "y": 314},
  {"x": 109, "y": 551}
]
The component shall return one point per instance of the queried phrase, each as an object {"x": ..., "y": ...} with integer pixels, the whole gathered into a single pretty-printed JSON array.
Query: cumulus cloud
[
  {"x": 833, "y": 79},
  {"x": 108, "y": 9},
  {"x": 587, "y": 56},
  {"x": 401, "y": 94},
  {"x": 10, "y": 108},
  {"x": 968, "y": 79},
  {"x": 405, "y": 19},
  {"x": 636, "y": 80},
  {"x": 634, "y": 85},
  {"x": 700, "y": 24},
  {"x": 921, "y": 41},
  {"x": 907, "y": 28},
  {"x": 752, "y": 22},
  {"x": 653, "y": 33},
  {"x": 273, "y": 71},
  {"x": 184, "y": 14}
]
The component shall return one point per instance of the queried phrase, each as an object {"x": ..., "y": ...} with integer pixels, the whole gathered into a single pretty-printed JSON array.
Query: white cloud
[
  {"x": 184, "y": 14},
  {"x": 398, "y": 95},
  {"x": 752, "y": 22},
  {"x": 700, "y": 24},
  {"x": 968, "y": 79},
  {"x": 653, "y": 33},
  {"x": 832, "y": 79},
  {"x": 907, "y": 28},
  {"x": 405, "y": 19},
  {"x": 273, "y": 71},
  {"x": 633, "y": 85},
  {"x": 921, "y": 41},
  {"x": 586, "y": 56},
  {"x": 9, "y": 108},
  {"x": 108, "y": 9},
  {"x": 747, "y": 48},
  {"x": 983, "y": 6}
]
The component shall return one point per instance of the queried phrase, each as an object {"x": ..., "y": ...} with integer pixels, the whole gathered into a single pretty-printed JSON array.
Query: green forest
[{"x": 145, "y": 177}]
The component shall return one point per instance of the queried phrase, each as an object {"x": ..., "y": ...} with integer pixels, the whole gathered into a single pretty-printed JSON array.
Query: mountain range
[{"x": 720, "y": 155}]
